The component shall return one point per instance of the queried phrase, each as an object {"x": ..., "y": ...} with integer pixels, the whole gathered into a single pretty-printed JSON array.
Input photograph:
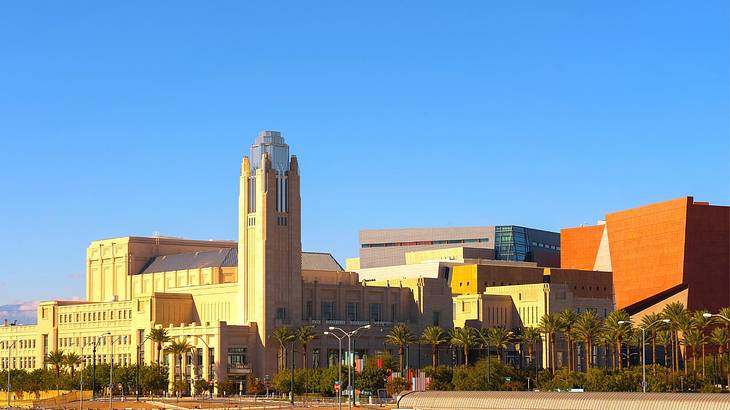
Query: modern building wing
[
  {"x": 388, "y": 247},
  {"x": 673, "y": 248}
]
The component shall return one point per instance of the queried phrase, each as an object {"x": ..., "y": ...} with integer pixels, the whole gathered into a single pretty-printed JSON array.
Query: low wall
[{"x": 485, "y": 400}]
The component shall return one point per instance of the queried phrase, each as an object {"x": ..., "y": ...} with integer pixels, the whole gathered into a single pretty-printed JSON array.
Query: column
[
  {"x": 193, "y": 370},
  {"x": 206, "y": 364},
  {"x": 184, "y": 368},
  {"x": 171, "y": 373}
]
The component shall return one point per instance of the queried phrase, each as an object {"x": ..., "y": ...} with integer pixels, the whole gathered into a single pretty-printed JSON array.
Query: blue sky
[{"x": 132, "y": 117}]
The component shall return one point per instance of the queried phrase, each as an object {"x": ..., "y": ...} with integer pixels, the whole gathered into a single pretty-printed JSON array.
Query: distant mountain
[{"x": 24, "y": 313}]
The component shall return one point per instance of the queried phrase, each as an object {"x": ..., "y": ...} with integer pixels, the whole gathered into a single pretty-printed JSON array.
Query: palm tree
[
  {"x": 692, "y": 339},
  {"x": 719, "y": 338},
  {"x": 587, "y": 329},
  {"x": 676, "y": 313},
  {"x": 664, "y": 338},
  {"x": 283, "y": 335},
  {"x": 464, "y": 337},
  {"x": 304, "y": 335},
  {"x": 56, "y": 359},
  {"x": 499, "y": 337},
  {"x": 651, "y": 319},
  {"x": 606, "y": 340},
  {"x": 684, "y": 325},
  {"x": 726, "y": 312},
  {"x": 567, "y": 318},
  {"x": 400, "y": 336},
  {"x": 72, "y": 360},
  {"x": 159, "y": 337},
  {"x": 178, "y": 349},
  {"x": 549, "y": 325},
  {"x": 531, "y": 336},
  {"x": 618, "y": 331},
  {"x": 701, "y": 323},
  {"x": 434, "y": 336}
]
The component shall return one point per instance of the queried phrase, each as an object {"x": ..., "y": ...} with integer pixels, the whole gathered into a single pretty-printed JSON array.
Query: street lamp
[
  {"x": 210, "y": 389},
  {"x": 349, "y": 336},
  {"x": 10, "y": 346},
  {"x": 643, "y": 347},
  {"x": 111, "y": 369},
  {"x": 93, "y": 373},
  {"x": 709, "y": 315},
  {"x": 81, "y": 385},
  {"x": 339, "y": 369}
]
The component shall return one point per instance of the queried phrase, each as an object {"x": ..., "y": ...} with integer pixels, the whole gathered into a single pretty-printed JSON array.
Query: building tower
[{"x": 269, "y": 243}]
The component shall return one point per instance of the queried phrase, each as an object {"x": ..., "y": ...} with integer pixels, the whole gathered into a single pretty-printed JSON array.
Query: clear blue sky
[{"x": 132, "y": 117}]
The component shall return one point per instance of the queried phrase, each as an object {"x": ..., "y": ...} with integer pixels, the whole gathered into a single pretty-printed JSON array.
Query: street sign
[
  {"x": 337, "y": 386},
  {"x": 508, "y": 379}
]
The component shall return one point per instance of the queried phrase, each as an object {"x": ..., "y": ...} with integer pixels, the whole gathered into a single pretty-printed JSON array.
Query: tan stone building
[
  {"x": 224, "y": 297},
  {"x": 227, "y": 297}
]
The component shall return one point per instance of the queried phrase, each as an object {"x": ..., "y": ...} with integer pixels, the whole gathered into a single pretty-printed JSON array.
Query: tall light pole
[
  {"x": 10, "y": 346},
  {"x": 93, "y": 372},
  {"x": 111, "y": 370},
  {"x": 709, "y": 315},
  {"x": 643, "y": 347},
  {"x": 210, "y": 389},
  {"x": 339, "y": 369},
  {"x": 81, "y": 385},
  {"x": 349, "y": 336}
]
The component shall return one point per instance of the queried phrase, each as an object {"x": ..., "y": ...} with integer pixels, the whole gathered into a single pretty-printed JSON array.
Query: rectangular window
[
  {"x": 393, "y": 312},
  {"x": 352, "y": 309},
  {"x": 280, "y": 313},
  {"x": 328, "y": 310},
  {"x": 436, "y": 318},
  {"x": 376, "y": 312},
  {"x": 237, "y": 357},
  {"x": 315, "y": 358},
  {"x": 308, "y": 310}
]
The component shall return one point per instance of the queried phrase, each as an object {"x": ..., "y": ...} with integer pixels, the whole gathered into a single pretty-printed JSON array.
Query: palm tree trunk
[
  {"x": 613, "y": 356},
  {"x": 570, "y": 356},
  {"x": 703, "y": 360},
  {"x": 552, "y": 349},
  {"x": 653, "y": 352},
  {"x": 620, "y": 359},
  {"x": 675, "y": 366},
  {"x": 466, "y": 355},
  {"x": 434, "y": 356},
  {"x": 401, "y": 353}
]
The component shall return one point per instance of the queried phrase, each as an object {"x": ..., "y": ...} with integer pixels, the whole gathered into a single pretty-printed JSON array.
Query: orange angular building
[{"x": 658, "y": 253}]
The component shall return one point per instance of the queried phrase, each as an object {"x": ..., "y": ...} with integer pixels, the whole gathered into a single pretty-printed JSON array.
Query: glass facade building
[{"x": 517, "y": 243}]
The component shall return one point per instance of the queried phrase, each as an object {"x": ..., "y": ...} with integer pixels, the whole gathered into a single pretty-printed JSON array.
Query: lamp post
[
  {"x": 349, "y": 336},
  {"x": 709, "y": 315},
  {"x": 111, "y": 369},
  {"x": 339, "y": 369},
  {"x": 139, "y": 350},
  {"x": 210, "y": 389},
  {"x": 81, "y": 385},
  {"x": 10, "y": 346},
  {"x": 93, "y": 372},
  {"x": 643, "y": 347}
]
